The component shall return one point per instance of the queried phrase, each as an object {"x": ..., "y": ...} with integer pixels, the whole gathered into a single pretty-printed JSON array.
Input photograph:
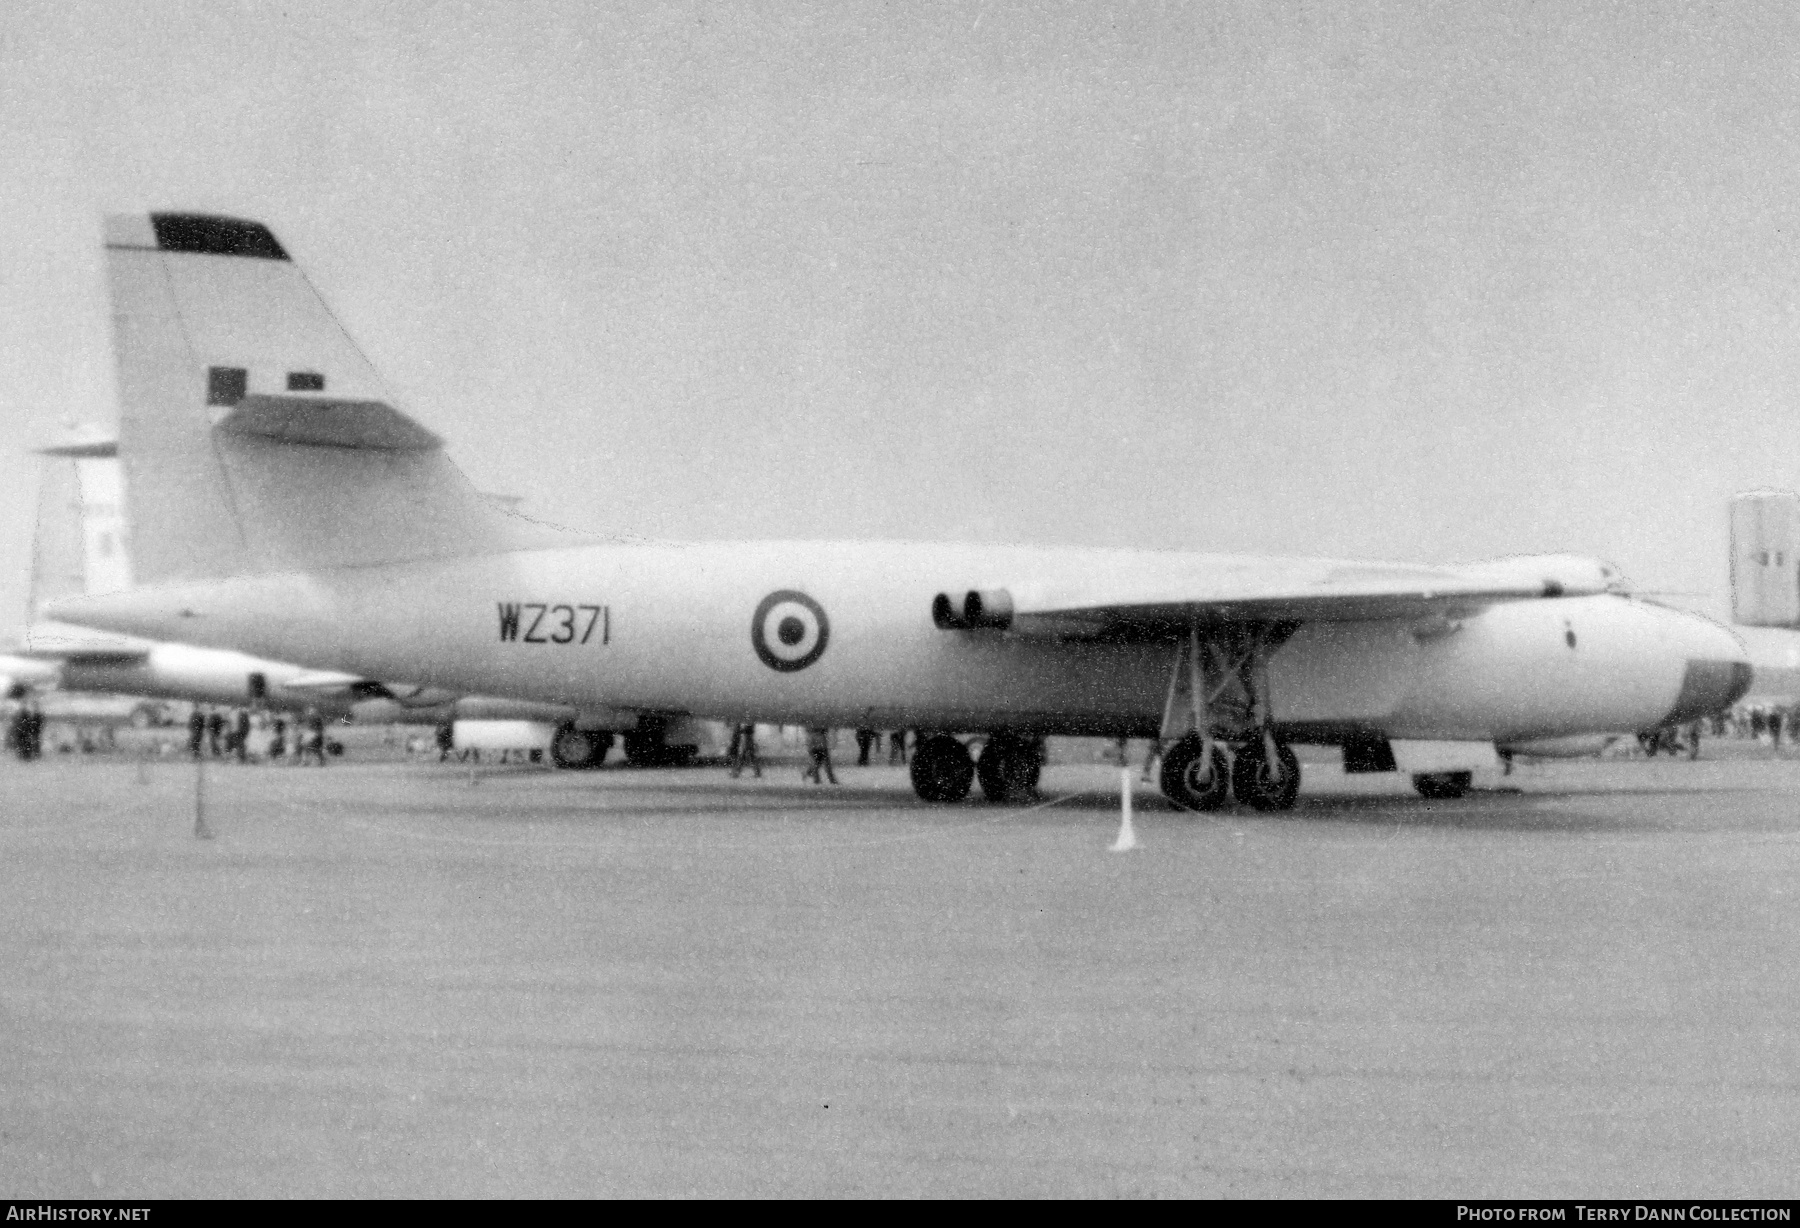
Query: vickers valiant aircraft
[{"x": 286, "y": 505}]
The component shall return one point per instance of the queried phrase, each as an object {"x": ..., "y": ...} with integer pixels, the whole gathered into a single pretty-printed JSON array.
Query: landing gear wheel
[
  {"x": 571, "y": 747},
  {"x": 1443, "y": 786},
  {"x": 941, "y": 769},
  {"x": 1190, "y": 781},
  {"x": 1009, "y": 768},
  {"x": 1262, "y": 785}
]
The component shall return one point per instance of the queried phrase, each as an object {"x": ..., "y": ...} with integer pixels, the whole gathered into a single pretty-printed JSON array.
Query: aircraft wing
[
  {"x": 50, "y": 641},
  {"x": 88, "y": 655},
  {"x": 1131, "y": 598}
]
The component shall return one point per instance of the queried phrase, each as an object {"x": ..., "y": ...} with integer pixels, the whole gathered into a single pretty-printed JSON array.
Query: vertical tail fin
[
  {"x": 1765, "y": 558},
  {"x": 255, "y": 436}
]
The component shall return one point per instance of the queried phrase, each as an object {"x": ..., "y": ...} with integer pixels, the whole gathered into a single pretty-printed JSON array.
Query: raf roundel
[{"x": 789, "y": 630}]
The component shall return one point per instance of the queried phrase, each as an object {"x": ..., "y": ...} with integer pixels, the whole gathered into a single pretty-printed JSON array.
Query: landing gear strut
[{"x": 1218, "y": 698}]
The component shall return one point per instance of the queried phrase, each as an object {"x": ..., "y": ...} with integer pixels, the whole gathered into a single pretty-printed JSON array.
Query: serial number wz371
[{"x": 545, "y": 623}]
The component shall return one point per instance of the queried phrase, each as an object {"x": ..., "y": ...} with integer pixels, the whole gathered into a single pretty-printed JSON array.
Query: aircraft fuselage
[{"x": 842, "y": 634}]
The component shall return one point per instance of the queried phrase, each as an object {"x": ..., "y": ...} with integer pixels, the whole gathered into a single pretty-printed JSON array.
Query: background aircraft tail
[
  {"x": 58, "y": 565},
  {"x": 1765, "y": 558},
  {"x": 254, "y": 435},
  {"x": 80, "y": 545}
]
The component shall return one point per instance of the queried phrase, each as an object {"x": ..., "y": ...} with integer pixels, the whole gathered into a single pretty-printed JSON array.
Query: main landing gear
[
  {"x": 1216, "y": 725},
  {"x": 941, "y": 769},
  {"x": 1008, "y": 769}
]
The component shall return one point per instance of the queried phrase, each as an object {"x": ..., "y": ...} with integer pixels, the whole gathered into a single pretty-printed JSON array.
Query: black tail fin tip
[{"x": 204, "y": 234}]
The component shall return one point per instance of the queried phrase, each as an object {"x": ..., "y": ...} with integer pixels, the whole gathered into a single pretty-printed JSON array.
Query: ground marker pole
[
  {"x": 1127, "y": 841},
  {"x": 201, "y": 830},
  {"x": 143, "y": 765}
]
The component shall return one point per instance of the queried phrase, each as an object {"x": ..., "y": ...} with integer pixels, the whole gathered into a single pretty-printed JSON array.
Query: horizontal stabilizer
[{"x": 328, "y": 423}]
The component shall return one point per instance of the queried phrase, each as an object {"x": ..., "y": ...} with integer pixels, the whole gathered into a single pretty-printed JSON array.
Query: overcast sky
[{"x": 1414, "y": 281}]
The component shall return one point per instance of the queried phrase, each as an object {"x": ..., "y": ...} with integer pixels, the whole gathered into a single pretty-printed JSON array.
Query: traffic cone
[{"x": 1127, "y": 841}]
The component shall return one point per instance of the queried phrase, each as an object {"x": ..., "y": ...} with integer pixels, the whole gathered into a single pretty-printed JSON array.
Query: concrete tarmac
[{"x": 379, "y": 979}]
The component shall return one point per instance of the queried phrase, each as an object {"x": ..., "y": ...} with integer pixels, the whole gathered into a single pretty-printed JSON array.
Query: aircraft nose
[{"x": 1718, "y": 674}]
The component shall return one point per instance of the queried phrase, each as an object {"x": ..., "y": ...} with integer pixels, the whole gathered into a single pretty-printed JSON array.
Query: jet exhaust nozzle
[
  {"x": 990, "y": 610},
  {"x": 993, "y": 608}
]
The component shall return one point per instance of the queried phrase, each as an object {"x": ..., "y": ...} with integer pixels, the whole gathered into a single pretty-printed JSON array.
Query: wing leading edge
[{"x": 1151, "y": 594}]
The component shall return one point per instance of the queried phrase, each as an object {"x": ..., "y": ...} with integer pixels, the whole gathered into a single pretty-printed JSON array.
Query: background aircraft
[
  {"x": 289, "y": 503},
  {"x": 20, "y": 674},
  {"x": 1765, "y": 591}
]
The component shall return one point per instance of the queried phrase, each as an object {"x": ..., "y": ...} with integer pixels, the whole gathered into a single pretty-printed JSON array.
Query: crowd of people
[
  {"x": 256, "y": 736},
  {"x": 247, "y": 735},
  {"x": 1772, "y": 724},
  {"x": 743, "y": 756}
]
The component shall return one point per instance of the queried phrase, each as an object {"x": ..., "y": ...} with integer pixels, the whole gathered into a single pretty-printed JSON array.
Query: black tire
[
  {"x": 1259, "y": 788},
  {"x": 941, "y": 769},
  {"x": 1443, "y": 786},
  {"x": 1009, "y": 768},
  {"x": 571, "y": 747},
  {"x": 1185, "y": 780}
]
